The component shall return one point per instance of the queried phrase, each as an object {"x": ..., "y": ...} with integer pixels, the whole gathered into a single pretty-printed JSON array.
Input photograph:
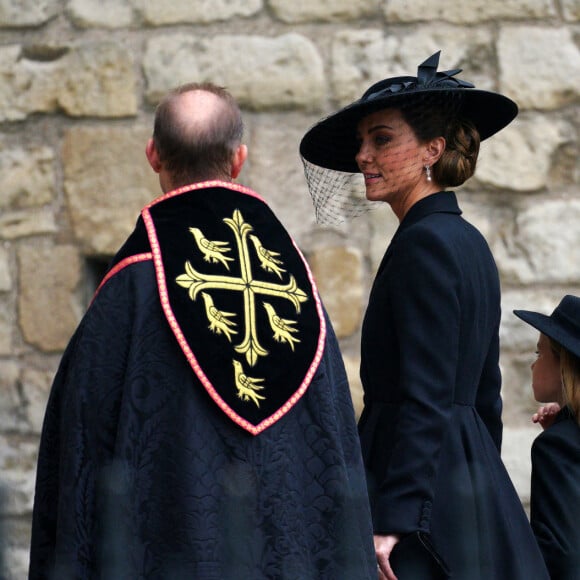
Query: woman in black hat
[
  {"x": 555, "y": 492},
  {"x": 442, "y": 502}
]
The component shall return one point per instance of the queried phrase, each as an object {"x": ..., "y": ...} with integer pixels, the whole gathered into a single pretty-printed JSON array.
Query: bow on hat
[{"x": 427, "y": 78}]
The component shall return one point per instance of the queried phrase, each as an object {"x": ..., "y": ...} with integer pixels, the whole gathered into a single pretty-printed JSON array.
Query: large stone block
[
  {"x": 107, "y": 182},
  {"x": 542, "y": 245},
  {"x": 92, "y": 79},
  {"x": 25, "y": 13},
  {"x": 338, "y": 273},
  {"x": 322, "y": 10},
  {"x": 49, "y": 275},
  {"x": 517, "y": 159},
  {"x": 27, "y": 177},
  {"x": 102, "y": 13},
  {"x": 27, "y": 222},
  {"x": 361, "y": 57},
  {"x": 159, "y": 13},
  {"x": 544, "y": 75},
  {"x": 275, "y": 171},
  {"x": 466, "y": 11},
  {"x": 515, "y": 334},
  {"x": 284, "y": 72}
]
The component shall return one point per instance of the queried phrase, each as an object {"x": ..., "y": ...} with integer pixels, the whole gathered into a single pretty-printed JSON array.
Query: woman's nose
[{"x": 363, "y": 154}]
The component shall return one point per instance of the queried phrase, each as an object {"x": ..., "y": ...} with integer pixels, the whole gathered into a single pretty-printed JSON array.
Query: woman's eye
[{"x": 382, "y": 139}]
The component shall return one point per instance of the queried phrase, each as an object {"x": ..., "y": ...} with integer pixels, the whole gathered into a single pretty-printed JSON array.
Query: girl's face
[
  {"x": 546, "y": 374},
  {"x": 390, "y": 156}
]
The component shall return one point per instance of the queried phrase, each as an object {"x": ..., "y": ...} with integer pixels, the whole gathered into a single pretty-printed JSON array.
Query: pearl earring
[{"x": 428, "y": 172}]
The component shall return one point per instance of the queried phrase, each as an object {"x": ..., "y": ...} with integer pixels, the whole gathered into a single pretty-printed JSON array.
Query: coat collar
[{"x": 441, "y": 202}]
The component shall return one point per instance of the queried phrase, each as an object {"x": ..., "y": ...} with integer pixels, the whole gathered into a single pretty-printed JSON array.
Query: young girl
[{"x": 555, "y": 490}]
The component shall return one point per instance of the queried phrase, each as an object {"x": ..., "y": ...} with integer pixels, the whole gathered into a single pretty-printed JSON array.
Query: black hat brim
[
  {"x": 553, "y": 328},
  {"x": 332, "y": 143}
]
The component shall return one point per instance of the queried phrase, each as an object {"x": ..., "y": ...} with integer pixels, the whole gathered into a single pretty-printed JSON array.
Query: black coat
[
  {"x": 431, "y": 426},
  {"x": 142, "y": 474},
  {"x": 555, "y": 497}
]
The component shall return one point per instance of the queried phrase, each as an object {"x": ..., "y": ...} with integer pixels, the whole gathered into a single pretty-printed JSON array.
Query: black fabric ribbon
[{"x": 427, "y": 78}]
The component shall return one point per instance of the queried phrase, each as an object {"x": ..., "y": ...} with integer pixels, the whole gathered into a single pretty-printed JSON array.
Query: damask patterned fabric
[{"x": 142, "y": 475}]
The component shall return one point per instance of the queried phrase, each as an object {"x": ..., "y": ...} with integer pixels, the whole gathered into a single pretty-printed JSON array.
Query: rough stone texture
[
  {"x": 105, "y": 13},
  {"x": 322, "y": 10},
  {"x": 199, "y": 12},
  {"x": 544, "y": 75},
  {"x": 543, "y": 245},
  {"x": 35, "y": 386},
  {"x": 48, "y": 278},
  {"x": 282, "y": 72},
  {"x": 5, "y": 275},
  {"x": 515, "y": 334},
  {"x": 21, "y": 223},
  {"x": 338, "y": 272},
  {"x": 10, "y": 401},
  {"x": 518, "y": 159},
  {"x": 275, "y": 171},
  {"x": 571, "y": 10},
  {"x": 6, "y": 327},
  {"x": 361, "y": 57},
  {"x": 466, "y": 11},
  {"x": 27, "y": 177},
  {"x": 107, "y": 181},
  {"x": 17, "y": 457},
  {"x": 24, "y": 13},
  {"x": 96, "y": 79}
]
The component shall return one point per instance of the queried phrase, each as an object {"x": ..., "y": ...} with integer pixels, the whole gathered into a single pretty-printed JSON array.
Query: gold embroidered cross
[{"x": 245, "y": 283}]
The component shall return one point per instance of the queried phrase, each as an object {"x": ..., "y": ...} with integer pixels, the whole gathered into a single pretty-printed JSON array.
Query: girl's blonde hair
[{"x": 570, "y": 371}]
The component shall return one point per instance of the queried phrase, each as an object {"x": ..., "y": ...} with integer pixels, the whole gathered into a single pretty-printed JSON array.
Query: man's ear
[
  {"x": 153, "y": 156},
  {"x": 239, "y": 159}
]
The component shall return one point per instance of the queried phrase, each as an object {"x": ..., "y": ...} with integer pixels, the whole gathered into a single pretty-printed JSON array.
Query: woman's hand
[
  {"x": 546, "y": 414},
  {"x": 383, "y": 547}
]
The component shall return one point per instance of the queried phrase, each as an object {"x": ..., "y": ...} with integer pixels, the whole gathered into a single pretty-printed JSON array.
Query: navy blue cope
[
  {"x": 141, "y": 474},
  {"x": 431, "y": 426},
  {"x": 555, "y": 496}
]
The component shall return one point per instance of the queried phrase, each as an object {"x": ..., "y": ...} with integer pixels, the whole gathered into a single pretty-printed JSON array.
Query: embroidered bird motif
[
  {"x": 268, "y": 258},
  {"x": 247, "y": 386},
  {"x": 212, "y": 251},
  {"x": 282, "y": 327},
  {"x": 218, "y": 319}
]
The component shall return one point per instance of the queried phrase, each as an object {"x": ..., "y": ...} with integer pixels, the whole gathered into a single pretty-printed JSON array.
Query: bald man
[{"x": 200, "y": 425}]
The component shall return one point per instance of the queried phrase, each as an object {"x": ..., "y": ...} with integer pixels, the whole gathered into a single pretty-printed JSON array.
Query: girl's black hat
[{"x": 563, "y": 325}]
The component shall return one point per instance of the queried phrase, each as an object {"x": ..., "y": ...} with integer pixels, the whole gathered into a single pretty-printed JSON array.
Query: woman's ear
[{"x": 433, "y": 150}]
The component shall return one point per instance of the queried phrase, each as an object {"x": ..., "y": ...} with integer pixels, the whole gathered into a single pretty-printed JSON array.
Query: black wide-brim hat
[
  {"x": 563, "y": 325},
  {"x": 332, "y": 142}
]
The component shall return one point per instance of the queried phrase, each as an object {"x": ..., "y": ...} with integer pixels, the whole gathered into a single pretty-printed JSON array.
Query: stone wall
[{"x": 78, "y": 83}]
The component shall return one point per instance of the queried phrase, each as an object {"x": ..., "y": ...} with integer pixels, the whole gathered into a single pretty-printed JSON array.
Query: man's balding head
[{"x": 197, "y": 133}]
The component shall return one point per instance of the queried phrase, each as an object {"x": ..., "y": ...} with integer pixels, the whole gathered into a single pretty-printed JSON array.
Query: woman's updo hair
[{"x": 436, "y": 115}]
